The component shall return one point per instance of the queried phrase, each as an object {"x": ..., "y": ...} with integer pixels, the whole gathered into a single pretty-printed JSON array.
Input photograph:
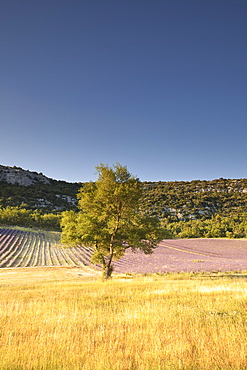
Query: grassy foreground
[{"x": 141, "y": 323}]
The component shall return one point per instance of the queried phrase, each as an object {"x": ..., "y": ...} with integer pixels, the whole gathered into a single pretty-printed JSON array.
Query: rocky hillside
[
  {"x": 18, "y": 176},
  {"x": 180, "y": 200},
  {"x": 33, "y": 190},
  {"x": 174, "y": 200}
]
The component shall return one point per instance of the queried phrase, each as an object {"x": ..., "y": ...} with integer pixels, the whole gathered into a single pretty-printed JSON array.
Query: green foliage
[
  {"x": 180, "y": 200},
  {"x": 199, "y": 209},
  {"x": 69, "y": 226},
  {"x": 110, "y": 219},
  {"x": 187, "y": 209},
  {"x": 58, "y": 195},
  {"x": 233, "y": 226},
  {"x": 28, "y": 218}
]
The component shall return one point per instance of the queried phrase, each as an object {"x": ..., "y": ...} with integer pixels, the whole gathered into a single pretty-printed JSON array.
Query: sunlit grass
[{"x": 153, "y": 322}]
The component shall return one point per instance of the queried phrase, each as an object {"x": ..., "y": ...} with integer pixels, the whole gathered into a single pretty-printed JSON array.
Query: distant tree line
[
  {"x": 212, "y": 209},
  {"x": 23, "y": 217},
  {"x": 233, "y": 226}
]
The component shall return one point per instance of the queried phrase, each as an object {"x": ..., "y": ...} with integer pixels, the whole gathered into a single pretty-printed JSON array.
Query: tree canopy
[{"x": 110, "y": 218}]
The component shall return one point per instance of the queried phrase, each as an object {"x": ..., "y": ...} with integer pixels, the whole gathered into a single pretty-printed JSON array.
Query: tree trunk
[
  {"x": 107, "y": 271},
  {"x": 107, "y": 266}
]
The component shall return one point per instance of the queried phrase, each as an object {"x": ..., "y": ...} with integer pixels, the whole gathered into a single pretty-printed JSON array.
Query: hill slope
[
  {"x": 18, "y": 176},
  {"x": 34, "y": 190},
  {"x": 174, "y": 200}
]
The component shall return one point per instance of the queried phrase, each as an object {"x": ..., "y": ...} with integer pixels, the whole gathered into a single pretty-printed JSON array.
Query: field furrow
[
  {"x": 7, "y": 255},
  {"x": 17, "y": 262},
  {"x": 28, "y": 249},
  {"x": 30, "y": 256},
  {"x": 14, "y": 257}
]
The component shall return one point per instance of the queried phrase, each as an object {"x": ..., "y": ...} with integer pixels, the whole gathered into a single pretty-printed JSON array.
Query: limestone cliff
[{"x": 18, "y": 176}]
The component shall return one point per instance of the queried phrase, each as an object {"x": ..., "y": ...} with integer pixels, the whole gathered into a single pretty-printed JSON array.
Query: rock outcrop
[{"x": 18, "y": 176}]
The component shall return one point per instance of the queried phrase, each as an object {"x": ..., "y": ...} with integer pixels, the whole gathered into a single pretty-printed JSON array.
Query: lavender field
[
  {"x": 188, "y": 255},
  {"x": 20, "y": 248}
]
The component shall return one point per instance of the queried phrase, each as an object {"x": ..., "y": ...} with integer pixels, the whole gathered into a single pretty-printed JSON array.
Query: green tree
[{"x": 110, "y": 218}]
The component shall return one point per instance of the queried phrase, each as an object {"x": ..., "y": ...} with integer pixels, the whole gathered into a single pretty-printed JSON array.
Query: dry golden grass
[{"x": 71, "y": 321}]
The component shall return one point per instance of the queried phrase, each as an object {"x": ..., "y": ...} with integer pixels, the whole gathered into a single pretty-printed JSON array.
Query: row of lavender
[{"x": 27, "y": 249}]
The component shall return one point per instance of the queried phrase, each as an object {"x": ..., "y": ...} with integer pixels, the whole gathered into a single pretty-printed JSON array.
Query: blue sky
[{"x": 157, "y": 85}]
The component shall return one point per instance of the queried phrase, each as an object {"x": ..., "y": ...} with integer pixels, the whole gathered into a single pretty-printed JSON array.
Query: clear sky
[{"x": 157, "y": 85}]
